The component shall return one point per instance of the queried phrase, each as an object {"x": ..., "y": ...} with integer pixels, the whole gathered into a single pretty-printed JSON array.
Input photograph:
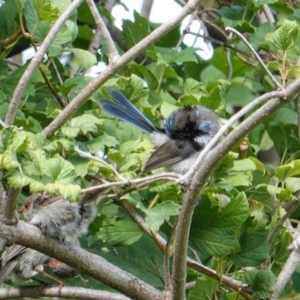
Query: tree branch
[
  {"x": 93, "y": 265},
  {"x": 200, "y": 178},
  {"x": 102, "y": 30},
  {"x": 11, "y": 113},
  {"x": 118, "y": 64},
  {"x": 66, "y": 292},
  {"x": 277, "y": 84},
  {"x": 286, "y": 273},
  {"x": 10, "y": 204}
]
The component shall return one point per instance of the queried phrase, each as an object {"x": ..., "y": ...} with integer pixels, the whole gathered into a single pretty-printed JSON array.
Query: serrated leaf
[
  {"x": 214, "y": 232},
  {"x": 86, "y": 58},
  {"x": 293, "y": 72},
  {"x": 120, "y": 232},
  {"x": 135, "y": 31},
  {"x": 59, "y": 170},
  {"x": 286, "y": 36},
  {"x": 254, "y": 247},
  {"x": 8, "y": 18},
  {"x": 162, "y": 211},
  {"x": 204, "y": 289},
  {"x": 98, "y": 143},
  {"x": 142, "y": 259},
  {"x": 45, "y": 10},
  {"x": 18, "y": 180},
  {"x": 231, "y": 16},
  {"x": 289, "y": 170},
  {"x": 9, "y": 160},
  {"x": 261, "y": 282},
  {"x": 82, "y": 124},
  {"x": 292, "y": 184},
  {"x": 70, "y": 191}
]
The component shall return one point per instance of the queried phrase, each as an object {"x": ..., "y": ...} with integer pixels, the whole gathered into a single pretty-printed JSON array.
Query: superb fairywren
[{"x": 187, "y": 131}]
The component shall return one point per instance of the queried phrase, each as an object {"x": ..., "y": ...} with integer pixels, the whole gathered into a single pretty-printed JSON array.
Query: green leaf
[
  {"x": 82, "y": 124},
  {"x": 135, "y": 31},
  {"x": 86, "y": 58},
  {"x": 286, "y": 36},
  {"x": 45, "y": 10},
  {"x": 293, "y": 72},
  {"x": 288, "y": 170},
  {"x": 168, "y": 56},
  {"x": 214, "y": 231},
  {"x": 98, "y": 143},
  {"x": 9, "y": 160},
  {"x": 142, "y": 259},
  {"x": 204, "y": 289},
  {"x": 120, "y": 232},
  {"x": 261, "y": 282},
  {"x": 59, "y": 170},
  {"x": 292, "y": 184},
  {"x": 231, "y": 16},
  {"x": 8, "y": 17},
  {"x": 254, "y": 247},
  {"x": 70, "y": 191},
  {"x": 160, "y": 212}
]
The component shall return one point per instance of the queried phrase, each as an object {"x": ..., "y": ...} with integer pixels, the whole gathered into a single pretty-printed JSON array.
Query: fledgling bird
[
  {"x": 57, "y": 217},
  {"x": 187, "y": 131},
  {"x": 23, "y": 262}
]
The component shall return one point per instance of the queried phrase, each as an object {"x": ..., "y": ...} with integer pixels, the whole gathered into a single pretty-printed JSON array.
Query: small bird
[
  {"x": 187, "y": 131},
  {"x": 56, "y": 217},
  {"x": 24, "y": 262}
]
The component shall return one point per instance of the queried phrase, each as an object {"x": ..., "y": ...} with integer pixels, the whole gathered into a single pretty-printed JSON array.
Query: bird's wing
[
  {"x": 124, "y": 110},
  {"x": 169, "y": 153},
  {"x": 12, "y": 252},
  {"x": 6, "y": 270},
  {"x": 8, "y": 260}
]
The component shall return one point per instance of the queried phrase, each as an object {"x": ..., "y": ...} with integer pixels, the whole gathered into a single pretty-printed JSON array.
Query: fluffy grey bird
[
  {"x": 56, "y": 217},
  {"x": 24, "y": 262}
]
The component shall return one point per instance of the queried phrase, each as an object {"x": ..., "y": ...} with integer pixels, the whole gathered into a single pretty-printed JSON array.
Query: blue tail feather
[{"x": 125, "y": 111}]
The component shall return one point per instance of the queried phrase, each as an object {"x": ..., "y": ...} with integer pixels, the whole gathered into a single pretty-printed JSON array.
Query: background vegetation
[{"x": 225, "y": 230}]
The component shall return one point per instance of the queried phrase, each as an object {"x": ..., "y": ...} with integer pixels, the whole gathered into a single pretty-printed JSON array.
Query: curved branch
[
  {"x": 277, "y": 84},
  {"x": 117, "y": 65},
  {"x": 11, "y": 113},
  {"x": 66, "y": 292},
  {"x": 204, "y": 171},
  {"x": 85, "y": 262},
  {"x": 102, "y": 31}
]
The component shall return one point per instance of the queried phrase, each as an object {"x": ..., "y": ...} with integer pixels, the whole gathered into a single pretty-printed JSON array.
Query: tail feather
[
  {"x": 6, "y": 270},
  {"x": 125, "y": 111}
]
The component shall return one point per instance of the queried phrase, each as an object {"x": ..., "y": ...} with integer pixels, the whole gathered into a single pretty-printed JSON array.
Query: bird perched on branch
[
  {"x": 186, "y": 132},
  {"x": 56, "y": 217}
]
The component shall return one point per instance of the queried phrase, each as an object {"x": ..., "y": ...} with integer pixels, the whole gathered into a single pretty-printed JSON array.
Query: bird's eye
[{"x": 202, "y": 132}]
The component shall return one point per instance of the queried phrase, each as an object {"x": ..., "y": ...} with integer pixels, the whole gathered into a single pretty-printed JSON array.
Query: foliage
[{"x": 233, "y": 229}]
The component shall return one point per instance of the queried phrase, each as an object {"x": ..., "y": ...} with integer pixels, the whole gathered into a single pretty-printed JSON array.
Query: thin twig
[
  {"x": 291, "y": 208},
  {"x": 101, "y": 29},
  {"x": 268, "y": 13},
  {"x": 187, "y": 29},
  {"x": 3, "y": 124},
  {"x": 277, "y": 84},
  {"x": 143, "y": 181},
  {"x": 102, "y": 161}
]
